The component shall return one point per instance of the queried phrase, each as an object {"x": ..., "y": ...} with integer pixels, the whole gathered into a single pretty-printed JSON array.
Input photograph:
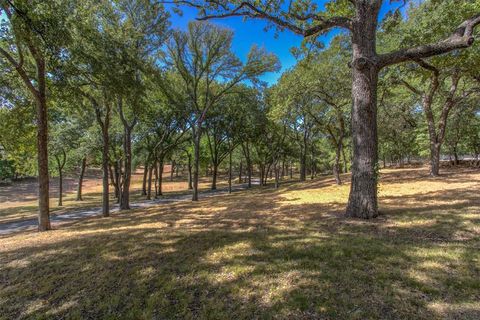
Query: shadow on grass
[{"x": 254, "y": 255}]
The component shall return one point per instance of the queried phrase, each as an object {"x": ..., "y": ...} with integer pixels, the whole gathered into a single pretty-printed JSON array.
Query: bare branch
[
  {"x": 247, "y": 9},
  {"x": 461, "y": 38}
]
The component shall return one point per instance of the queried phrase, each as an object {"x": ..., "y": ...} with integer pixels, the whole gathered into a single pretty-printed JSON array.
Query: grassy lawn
[
  {"x": 260, "y": 254},
  {"x": 25, "y": 206}
]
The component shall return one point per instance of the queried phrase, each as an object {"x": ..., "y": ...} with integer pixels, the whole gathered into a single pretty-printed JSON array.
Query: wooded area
[{"x": 117, "y": 88}]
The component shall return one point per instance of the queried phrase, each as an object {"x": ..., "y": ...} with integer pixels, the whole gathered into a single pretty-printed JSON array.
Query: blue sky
[{"x": 252, "y": 32}]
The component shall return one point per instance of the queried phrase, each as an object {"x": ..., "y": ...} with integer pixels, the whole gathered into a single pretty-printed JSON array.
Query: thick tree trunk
[
  {"x": 42, "y": 160},
  {"x": 435, "y": 159},
  {"x": 80, "y": 179},
  {"x": 362, "y": 201}
]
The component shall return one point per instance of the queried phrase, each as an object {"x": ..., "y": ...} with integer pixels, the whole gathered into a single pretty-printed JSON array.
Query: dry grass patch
[{"x": 264, "y": 253}]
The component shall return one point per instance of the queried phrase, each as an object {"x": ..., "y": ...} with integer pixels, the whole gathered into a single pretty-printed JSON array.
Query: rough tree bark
[{"x": 362, "y": 201}]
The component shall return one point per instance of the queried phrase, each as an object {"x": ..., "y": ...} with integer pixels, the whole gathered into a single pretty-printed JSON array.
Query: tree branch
[
  {"x": 10, "y": 58},
  {"x": 462, "y": 37},
  {"x": 410, "y": 87},
  {"x": 246, "y": 9},
  {"x": 21, "y": 72}
]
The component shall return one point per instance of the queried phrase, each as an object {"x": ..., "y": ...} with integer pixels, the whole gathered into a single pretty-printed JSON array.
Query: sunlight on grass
[
  {"x": 469, "y": 310},
  {"x": 335, "y": 194},
  {"x": 263, "y": 253}
]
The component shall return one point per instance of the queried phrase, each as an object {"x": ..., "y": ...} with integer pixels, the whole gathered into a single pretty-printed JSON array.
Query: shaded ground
[{"x": 286, "y": 254}]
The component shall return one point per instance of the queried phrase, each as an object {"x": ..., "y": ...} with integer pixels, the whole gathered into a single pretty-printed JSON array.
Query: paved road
[{"x": 31, "y": 224}]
